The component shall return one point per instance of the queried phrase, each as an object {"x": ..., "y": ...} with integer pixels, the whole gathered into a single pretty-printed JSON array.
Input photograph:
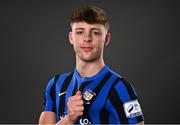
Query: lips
[{"x": 87, "y": 48}]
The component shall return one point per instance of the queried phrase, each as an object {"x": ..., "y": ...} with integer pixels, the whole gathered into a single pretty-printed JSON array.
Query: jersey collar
[{"x": 80, "y": 79}]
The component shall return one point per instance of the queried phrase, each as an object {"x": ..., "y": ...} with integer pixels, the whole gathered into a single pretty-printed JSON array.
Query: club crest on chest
[{"x": 88, "y": 95}]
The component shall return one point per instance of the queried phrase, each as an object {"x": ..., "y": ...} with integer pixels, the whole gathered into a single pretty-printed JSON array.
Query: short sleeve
[
  {"x": 49, "y": 96},
  {"x": 125, "y": 102}
]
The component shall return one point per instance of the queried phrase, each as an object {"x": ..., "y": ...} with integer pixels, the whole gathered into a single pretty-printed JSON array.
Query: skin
[{"x": 88, "y": 41}]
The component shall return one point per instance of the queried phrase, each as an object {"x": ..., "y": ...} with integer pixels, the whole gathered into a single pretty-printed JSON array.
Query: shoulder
[
  {"x": 57, "y": 78},
  {"x": 123, "y": 87},
  {"x": 121, "y": 80},
  {"x": 114, "y": 73}
]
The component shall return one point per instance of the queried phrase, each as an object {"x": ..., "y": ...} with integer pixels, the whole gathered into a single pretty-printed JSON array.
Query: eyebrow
[
  {"x": 96, "y": 29},
  {"x": 91, "y": 29},
  {"x": 79, "y": 28}
]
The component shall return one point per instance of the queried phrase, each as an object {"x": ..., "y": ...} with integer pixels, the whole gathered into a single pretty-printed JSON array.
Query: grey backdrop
[{"x": 144, "y": 48}]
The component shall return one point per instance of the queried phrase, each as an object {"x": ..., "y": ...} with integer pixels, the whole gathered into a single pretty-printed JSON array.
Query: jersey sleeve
[
  {"x": 125, "y": 102},
  {"x": 49, "y": 96}
]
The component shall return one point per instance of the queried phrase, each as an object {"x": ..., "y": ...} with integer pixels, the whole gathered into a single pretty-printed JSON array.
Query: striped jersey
[{"x": 108, "y": 97}]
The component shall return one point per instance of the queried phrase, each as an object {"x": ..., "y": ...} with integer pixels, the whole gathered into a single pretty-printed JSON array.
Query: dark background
[{"x": 144, "y": 48}]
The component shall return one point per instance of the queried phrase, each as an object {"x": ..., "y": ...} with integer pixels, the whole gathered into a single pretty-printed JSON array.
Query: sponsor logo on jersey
[
  {"x": 84, "y": 121},
  {"x": 88, "y": 95},
  {"x": 62, "y": 116},
  {"x": 132, "y": 109},
  {"x": 62, "y": 93}
]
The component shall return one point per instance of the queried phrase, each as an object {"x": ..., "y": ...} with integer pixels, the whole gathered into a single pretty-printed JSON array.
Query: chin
[{"x": 88, "y": 59}]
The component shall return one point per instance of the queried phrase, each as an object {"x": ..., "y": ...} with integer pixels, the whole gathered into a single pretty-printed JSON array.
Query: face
[{"x": 88, "y": 40}]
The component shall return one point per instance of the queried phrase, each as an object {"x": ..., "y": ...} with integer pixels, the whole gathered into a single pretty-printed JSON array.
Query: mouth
[{"x": 87, "y": 49}]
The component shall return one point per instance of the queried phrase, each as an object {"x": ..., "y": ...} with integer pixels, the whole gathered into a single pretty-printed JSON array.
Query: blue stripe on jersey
[
  {"x": 94, "y": 83},
  {"x": 100, "y": 100},
  {"x": 113, "y": 117},
  {"x": 96, "y": 79},
  {"x": 49, "y": 102},
  {"x": 59, "y": 83},
  {"x": 70, "y": 92},
  {"x": 123, "y": 93},
  {"x": 108, "y": 100}
]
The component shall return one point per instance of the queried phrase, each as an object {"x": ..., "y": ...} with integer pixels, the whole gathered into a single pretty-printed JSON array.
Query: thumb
[{"x": 78, "y": 93}]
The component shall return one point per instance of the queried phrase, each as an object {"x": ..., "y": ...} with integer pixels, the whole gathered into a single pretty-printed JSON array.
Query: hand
[{"x": 75, "y": 107}]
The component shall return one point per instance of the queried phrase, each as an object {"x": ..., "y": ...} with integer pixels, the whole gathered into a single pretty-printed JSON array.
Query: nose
[{"x": 87, "y": 37}]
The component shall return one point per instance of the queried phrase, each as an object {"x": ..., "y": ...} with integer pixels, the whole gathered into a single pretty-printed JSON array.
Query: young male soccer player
[{"x": 92, "y": 93}]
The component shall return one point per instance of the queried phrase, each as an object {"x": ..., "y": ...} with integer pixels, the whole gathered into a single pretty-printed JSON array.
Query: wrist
[
  {"x": 65, "y": 120},
  {"x": 68, "y": 120}
]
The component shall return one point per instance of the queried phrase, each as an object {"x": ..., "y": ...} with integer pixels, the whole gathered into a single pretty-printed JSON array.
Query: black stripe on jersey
[
  {"x": 97, "y": 90},
  {"x": 132, "y": 94},
  {"x": 101, "y": 84},
  {"x": 84, "y": 85},
  {"x": 129, "y": 89},
  {"x": 53, "y": 92},
  {"x": 53, "y": 88},
  {"x": 104, "y": 114},
  {"x": 139, "y": 118},
  {"x": 44, "y": 103},
  {"x": 63, "y": 89},
  {"x": 75, "y": 88},
  {"x": 118, "y": 105}
]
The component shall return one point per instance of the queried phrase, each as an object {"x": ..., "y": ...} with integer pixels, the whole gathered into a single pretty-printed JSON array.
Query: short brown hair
[{"x": 90, "y": 14}]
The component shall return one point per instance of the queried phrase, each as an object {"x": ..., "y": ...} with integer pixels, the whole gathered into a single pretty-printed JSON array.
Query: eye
[
  {"x": 96, "y": 33},
  {"x": 79, "y": 32}
]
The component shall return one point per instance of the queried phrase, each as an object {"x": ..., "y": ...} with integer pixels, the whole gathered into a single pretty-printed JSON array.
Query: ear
[
  {"x": 107, "y": 39},
  {"x": 70, "y": 38}
]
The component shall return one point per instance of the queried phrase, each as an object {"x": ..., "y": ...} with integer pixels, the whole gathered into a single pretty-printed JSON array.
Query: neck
[{"x": 88, "y": 69}]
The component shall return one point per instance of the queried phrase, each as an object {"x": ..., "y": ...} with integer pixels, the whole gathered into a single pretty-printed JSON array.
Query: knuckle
[
  {"x": 81, "y": 113},
  {"x": 82, "y": 108},
  {"x": 69, "y": 100},
  {"x": 81, "y": 102}
]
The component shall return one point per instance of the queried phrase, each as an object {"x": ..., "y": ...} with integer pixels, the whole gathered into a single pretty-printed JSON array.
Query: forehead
[{"x": 84, "y": 25}]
